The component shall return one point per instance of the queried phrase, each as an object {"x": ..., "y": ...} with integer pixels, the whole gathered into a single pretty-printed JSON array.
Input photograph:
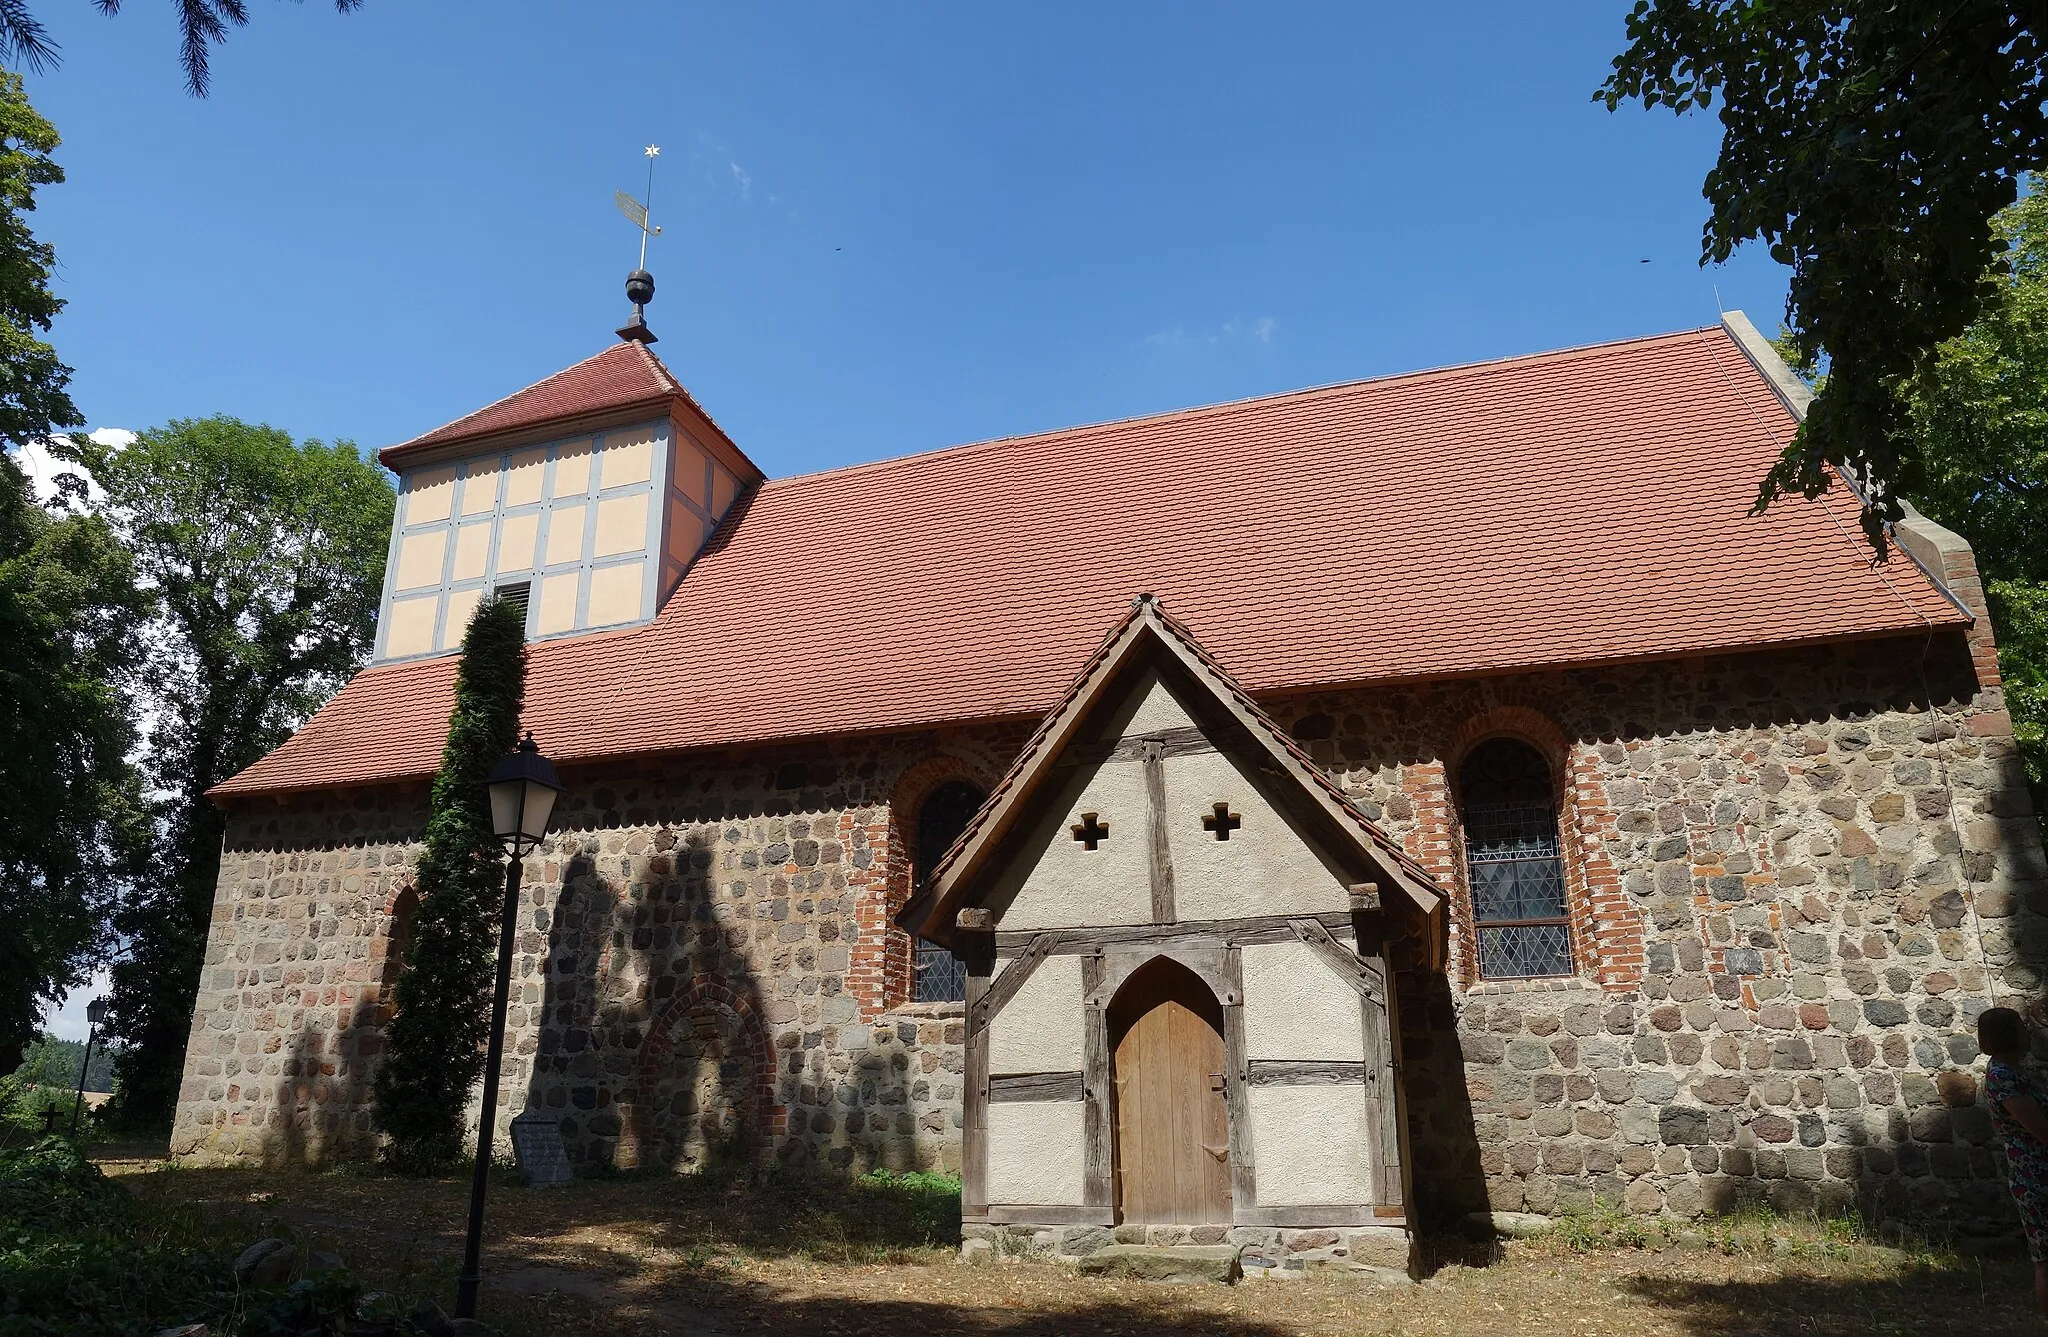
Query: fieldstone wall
[
  {"x": 681, "y": 978},
  {"x": 1820, "y": 866},
  {"x": 1796, "y": 879}
]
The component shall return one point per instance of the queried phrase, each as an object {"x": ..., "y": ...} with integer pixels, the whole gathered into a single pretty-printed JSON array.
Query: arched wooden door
[{"x": 1172, "y": 1152}]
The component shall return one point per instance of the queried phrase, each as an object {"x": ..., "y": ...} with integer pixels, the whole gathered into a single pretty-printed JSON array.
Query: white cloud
[
  {"x": 1229, "y": 332},
  {"x": 43, "y": 466},
  {"x": 746, "y": 182}
]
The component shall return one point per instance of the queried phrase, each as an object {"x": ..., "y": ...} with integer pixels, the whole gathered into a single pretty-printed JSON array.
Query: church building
[{"x": 1286, "y": 823}]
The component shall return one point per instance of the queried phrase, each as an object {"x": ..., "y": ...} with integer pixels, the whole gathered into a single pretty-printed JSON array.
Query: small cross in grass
[
  {"x": 1089, "y": 831},
  {"x": 1222, "y": 821}
]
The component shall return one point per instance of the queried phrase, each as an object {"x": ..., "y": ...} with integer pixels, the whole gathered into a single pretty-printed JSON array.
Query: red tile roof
[
  {"x": 1582, "y": 506},
  {"x": 622, "y": 376}
]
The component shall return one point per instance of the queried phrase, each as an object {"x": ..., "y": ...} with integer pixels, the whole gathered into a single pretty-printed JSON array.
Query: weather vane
[{"x": 640, "y": 283}]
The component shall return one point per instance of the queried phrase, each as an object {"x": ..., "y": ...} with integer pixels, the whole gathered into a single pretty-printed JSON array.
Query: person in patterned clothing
[{"x": 2020, "y": 1114}]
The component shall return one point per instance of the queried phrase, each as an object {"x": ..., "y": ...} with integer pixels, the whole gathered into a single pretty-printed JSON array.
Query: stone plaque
[{"x": 537, "y": 1142}]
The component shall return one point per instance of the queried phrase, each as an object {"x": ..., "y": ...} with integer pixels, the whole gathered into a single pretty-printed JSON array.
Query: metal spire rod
[{"x": 652, "y": 151}]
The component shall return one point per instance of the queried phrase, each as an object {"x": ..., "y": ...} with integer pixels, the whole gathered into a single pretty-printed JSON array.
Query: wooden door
[{"x": 1172, "y": 1122}]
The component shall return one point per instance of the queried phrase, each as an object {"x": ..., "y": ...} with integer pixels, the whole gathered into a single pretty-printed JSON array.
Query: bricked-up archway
[{"x": 706, "y": 1079}]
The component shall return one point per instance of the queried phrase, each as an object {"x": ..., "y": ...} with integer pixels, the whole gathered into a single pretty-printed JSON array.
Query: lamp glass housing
[{"x": 523, "y": 789}]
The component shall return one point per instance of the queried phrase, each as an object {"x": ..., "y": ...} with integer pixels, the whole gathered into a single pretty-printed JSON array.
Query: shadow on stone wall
[
  {"x": 319, "y": 1111},
  {"x": 1447, "y": 1176},
  {"x": 652, "y": 1049}
]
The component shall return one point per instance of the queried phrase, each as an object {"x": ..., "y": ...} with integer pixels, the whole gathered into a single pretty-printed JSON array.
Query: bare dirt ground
[{"x": 668, "y": 1256}]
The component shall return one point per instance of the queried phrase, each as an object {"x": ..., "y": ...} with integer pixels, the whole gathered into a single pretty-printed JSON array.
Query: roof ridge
[{"x": 1198, "y": 411}]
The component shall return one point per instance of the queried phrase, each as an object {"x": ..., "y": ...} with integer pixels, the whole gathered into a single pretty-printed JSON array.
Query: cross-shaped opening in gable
[
  {"x": 1222, "y": 822},
  {"x": 1089, "y": 831}
]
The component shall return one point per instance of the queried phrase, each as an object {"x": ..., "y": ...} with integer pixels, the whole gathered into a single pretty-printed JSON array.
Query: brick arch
[
  {"x": 879, "y": 977},
  {"x": 1606, "y": 930},
  {"x": 762, "y": 1120},
  {"x": 387, "y": 952}
]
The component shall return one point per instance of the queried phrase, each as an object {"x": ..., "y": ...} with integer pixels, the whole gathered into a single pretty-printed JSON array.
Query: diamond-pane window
[
  {"x": 1514, "y": 862},
  {"x": 940, "y": 977}
]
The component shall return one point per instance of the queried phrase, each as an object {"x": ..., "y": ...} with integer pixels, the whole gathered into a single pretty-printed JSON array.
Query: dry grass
[{"x": 648, "y": 1256}]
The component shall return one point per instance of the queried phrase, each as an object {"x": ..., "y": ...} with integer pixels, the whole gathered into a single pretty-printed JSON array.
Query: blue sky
[{"x": 889, "y": 228}]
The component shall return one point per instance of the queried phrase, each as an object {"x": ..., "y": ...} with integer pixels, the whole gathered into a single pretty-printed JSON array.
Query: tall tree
[
  {"x": 73, "y": 826},
  {"x": 1867, "y": 143},
  {"x": 267, "y": 556},
  {"x": 68, "y": 608},
  {"x": 434, "y": 1051},
  {"x": 202, "y": 25},
  {"x": 1979, "y": 414}
]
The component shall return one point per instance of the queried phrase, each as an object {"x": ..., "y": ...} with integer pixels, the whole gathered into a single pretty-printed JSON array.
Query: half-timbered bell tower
[{"x": 1174, "y": 926}]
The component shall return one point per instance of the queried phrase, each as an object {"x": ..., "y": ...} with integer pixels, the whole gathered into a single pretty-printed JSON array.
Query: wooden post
[
  {"x": 1161, "y": 859},
  {"x": 1382, "y": 1085},
  {"x": 974, "y": 1104},
  {"x": 1098, "y": 1156},
  {"x": 1244, "y": 1186}
]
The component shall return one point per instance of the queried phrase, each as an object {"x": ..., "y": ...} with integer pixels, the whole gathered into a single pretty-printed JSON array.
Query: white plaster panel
[
  {"x": 557, "y": 604},
  {"x": 565, "y": 535},
  {"x": 410, "y": 629},
  {"x": 689, "y": 471},
  {"x": 472, "y": 551},
  {"x": 621, "y": 525},
  {"x": 1309, "y": 1146},
  {"x": 615, "y": 594},
  {"x": 1296, "y": 1007},
  {"x": 429, "y": 495},
  {"x": 523, "y": 476},
  {"x": 1265, "y": 868},
  {"x": 1035, "y": 1153},
  {"x": 1153, "y": 709},
  {"x": 480, "y": 488},
  {"x": 1040, "y": 1030},
  {"x": 1057, "y": 882},
  {"x": 628, "y": 457},
  {"x": 572, "y": 469},
  {"x": 455, "y": 621},
  {"x": 420, "y": 559},
  {"x": 516, "y": 541}
]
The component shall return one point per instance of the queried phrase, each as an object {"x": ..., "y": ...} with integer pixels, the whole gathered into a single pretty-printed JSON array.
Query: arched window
[
  {"x": 1514, "y": 862},
  {"x": 941, "y": 818}
]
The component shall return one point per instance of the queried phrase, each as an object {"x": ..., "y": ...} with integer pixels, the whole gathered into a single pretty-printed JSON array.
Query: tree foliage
[
  {"x": 70, "y": 826},
  {"x": 202, "y": 25},
  {"x": 267, "y": 558},
  {"x": 1978, "y": 412},
  {"x": 1867, "y": 143},
  {"x": 434, "y": 1048}
]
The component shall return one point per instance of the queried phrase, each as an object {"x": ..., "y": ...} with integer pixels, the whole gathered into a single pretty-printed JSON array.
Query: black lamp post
[
  {"x": 523, "y": 791},
  {"x": 95, "y": 1013}
]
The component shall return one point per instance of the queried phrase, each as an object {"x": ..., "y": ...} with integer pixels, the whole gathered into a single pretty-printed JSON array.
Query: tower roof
[{"x": 625, "y": 378}]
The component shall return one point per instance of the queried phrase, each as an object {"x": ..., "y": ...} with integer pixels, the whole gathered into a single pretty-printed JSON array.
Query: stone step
[{"x": 1166, "y": 1262}]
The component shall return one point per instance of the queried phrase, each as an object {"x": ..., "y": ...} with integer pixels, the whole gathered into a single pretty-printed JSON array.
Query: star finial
[{"x": 652, "y": 150}]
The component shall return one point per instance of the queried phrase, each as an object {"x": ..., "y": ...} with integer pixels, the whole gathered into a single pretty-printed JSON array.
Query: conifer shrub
[{"x": 434, "y": 1046}]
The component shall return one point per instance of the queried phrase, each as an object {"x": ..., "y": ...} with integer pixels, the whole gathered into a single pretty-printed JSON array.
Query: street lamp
[
  {"x": 523, "y": 790},
  {"x": 95, "y": 1013}
]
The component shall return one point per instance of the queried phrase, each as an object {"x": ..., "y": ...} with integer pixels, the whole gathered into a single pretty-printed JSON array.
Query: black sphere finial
[{"x": 639, "y": 291}]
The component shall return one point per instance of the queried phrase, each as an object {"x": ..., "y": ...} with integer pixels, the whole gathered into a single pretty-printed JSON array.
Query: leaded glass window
[
  {"x": 1514, "y": 862},
  {"x": 940, "y": 977}
]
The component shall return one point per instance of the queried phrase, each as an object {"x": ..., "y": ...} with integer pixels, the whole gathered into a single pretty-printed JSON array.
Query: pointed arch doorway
[{"x": 1172, "y": 1128}]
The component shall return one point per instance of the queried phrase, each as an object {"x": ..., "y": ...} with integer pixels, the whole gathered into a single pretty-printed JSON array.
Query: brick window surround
[
  {"x": 884, "y": 956},
  {"x": 1606, "y": 931}
]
